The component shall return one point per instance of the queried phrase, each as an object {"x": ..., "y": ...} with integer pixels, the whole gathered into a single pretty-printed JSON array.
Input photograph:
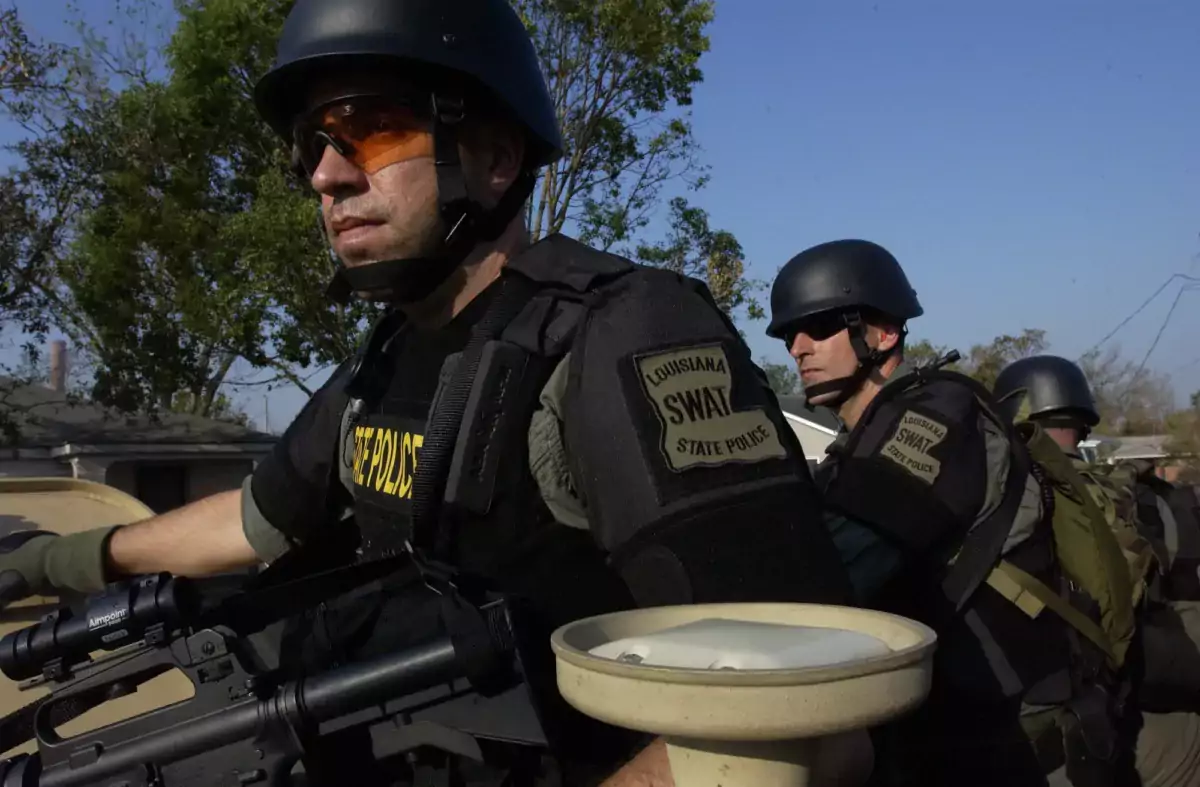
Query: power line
[
  {"x": 1145, "y": 303},
  {"x": 1166, "y": 321},
  {"x": 1189, "y": 364}
]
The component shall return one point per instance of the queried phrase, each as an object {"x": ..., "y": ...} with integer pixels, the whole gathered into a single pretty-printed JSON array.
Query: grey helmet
[
  {"x": 1046, "y": 388},
  {"x": 840, "y": 275},
  {"x": 849, "y": 278}
]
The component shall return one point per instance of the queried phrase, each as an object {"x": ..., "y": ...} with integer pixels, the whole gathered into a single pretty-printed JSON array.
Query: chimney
[{"x": 58, "y": 366}]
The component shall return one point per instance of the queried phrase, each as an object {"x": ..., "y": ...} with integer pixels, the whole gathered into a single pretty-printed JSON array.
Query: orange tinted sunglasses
[{"x": 371, "y": 132}]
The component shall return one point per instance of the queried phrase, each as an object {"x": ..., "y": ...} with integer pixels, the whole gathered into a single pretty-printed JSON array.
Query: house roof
[
  {"x": 794, "y": 407},
  {"x": 1132, "y": 446},
  {"x": 46, "y": 418}
]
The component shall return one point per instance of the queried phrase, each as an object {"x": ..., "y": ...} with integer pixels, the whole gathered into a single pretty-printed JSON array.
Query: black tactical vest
[
  {"x": 899, "y": 473},
  {"x": 872, "y": 479},
  {"x": 489, "y": 521},
  {"x": 385, "y": 436}
]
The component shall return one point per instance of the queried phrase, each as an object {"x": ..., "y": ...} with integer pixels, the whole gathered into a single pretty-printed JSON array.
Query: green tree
[
  {"x": 158, "y": 220},
  {"x": 186, "y": 243},
  {"x": 621, "y": 74},
  {"x": 985, "y": 361},
  {"x": 693, "y": 249},
  {"x": 39, "y": 84},
  {"x": 222, "y": 408},
  {"x": 782, "y": 377},
  {"x": 924, "y": 352},
  {"x": 1131, "y": 399}
]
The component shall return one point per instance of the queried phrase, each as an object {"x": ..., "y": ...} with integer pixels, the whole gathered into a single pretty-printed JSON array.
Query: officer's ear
[
  {"x": 887, "y": 336},
  {"x": 493, "y": 154}
]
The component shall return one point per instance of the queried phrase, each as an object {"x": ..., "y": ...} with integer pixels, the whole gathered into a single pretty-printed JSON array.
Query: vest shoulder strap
[
  {"x": 545, "y": 295},
  {"x": 981, "y": 549},
  {"x": 1031, "y": 596},
  {"x": 564, "y": 263}
]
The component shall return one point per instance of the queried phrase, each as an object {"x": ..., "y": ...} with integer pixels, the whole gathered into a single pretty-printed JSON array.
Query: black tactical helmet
[
  {"x": 459, "y": 49},
  {"x": 841, "y": 274},
  {"x": 1045, "y": 387},
  {"x": 483, "y": 40}
]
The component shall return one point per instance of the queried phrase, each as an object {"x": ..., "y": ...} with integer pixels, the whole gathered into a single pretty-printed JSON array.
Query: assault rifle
[{"x": 490, "y": 676}]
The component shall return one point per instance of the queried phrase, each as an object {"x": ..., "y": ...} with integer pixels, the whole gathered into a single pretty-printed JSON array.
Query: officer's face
[
  {"x": 822, "y": 349},
  {"x": 378, "y": 181},
  {"x": 379, "y": 195}
]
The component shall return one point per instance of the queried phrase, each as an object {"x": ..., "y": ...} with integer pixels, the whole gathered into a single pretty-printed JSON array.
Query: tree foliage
[
  {"x": 39, "y": 84},
  {"x": 984, "y": 362},
  {"x": 154, "y": 218},
  {"x": 621, "y": 75},
  {"x": 924, "y": 352},
  {"x": 693, "y": 249},
  {"x": 782, "y": 377},
  {"x": 162, "y": 218},
  {"x": 1184, "y": 430},
  {"x": 1131, "y": 399}
]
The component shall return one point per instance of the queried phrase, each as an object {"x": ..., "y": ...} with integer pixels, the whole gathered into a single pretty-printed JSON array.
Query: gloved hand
[{"x": 41, "y": 563}]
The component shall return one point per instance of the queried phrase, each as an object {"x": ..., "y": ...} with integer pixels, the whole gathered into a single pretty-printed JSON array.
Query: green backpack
[
  {"x": 1113, "y": 493},
  {"x": 1088, "y": 553}
]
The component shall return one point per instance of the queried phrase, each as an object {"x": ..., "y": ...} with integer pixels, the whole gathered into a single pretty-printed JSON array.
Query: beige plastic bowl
[{"x": 751, "y": 728}]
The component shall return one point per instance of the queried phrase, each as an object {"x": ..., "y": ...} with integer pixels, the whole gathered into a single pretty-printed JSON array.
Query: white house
[
  {"x": 815, "y": 428},
  {"x": 164, "y": 462}
]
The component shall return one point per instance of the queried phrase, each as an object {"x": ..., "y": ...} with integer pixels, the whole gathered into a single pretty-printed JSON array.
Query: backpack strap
[
  {"x": 1063, "y": 474},
  {"x": 1031, "y": 596},
  {"x": 981, "y": 549}
]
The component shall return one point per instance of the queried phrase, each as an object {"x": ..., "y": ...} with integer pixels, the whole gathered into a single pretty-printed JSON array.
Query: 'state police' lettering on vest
[
  {"x": 690, "y": 391},
  {"x": 916, "y": 435},
  {"x": 386, "y": 459}
]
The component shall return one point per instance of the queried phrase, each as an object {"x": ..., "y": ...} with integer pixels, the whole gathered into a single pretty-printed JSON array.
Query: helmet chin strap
[
  {"x": 868, "y": 360},
  {"x": 467, "y": 224}
]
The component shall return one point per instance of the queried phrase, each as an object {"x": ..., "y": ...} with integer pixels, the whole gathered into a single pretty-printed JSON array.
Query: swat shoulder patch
[
  {"x": 910, "y": 447},
  {"x": 689, "y": 389}
]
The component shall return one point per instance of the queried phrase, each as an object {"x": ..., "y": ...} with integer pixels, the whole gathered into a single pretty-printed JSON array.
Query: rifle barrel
[
  {"x": 350, "y": 688},
  {"x": 308, "y": 701}
]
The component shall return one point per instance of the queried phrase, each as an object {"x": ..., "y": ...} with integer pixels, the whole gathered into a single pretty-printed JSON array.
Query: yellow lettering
[
  {"x": 404, "y": 480},
  {"x": 412, "y": 446},
  {"x": 367, "y": 434},
  {"x": 389, "y": 437},
  {"x": 359, "y": 453},
  {"x": 389, "y": 486},
  {"x": 375, "y": 455},
  {"x": 385, "y": 459}
]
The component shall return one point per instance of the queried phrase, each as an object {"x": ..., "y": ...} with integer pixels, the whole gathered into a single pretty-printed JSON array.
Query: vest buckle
[{"x": 441, "y": 578}]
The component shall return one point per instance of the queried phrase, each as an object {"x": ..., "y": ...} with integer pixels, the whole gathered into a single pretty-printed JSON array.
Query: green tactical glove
[{"x": 41, "y": 563}]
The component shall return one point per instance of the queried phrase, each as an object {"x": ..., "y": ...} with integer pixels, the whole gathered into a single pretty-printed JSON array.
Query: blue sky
[{"x": 1031, "y": 164}]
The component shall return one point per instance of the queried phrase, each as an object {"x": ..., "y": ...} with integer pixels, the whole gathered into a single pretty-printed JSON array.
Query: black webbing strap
[
  {"x": 981, "y": 549},
  {"x": 442, "y": 435}
]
